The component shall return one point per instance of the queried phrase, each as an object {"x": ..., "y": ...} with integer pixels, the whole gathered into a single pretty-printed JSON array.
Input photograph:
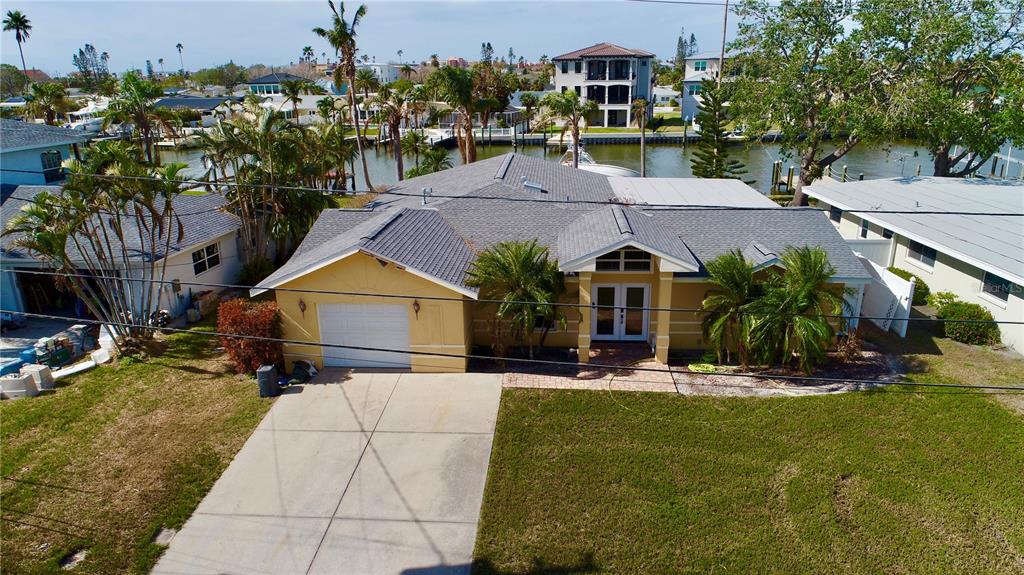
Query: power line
[
  {"x": 482, "y": 300},
  {"x": 530, "y": 199},
  {"x": 807, "y": 378}
]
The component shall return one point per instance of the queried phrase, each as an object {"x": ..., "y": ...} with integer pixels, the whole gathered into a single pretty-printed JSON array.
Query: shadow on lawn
[{"x": 486, "y": 567}]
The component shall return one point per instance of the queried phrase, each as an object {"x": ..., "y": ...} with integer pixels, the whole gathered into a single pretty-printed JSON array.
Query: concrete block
[
  {"x": 101, "y": 355},
  {"x": 41, "y": 375},
  {"x": 21, "y": 385}
]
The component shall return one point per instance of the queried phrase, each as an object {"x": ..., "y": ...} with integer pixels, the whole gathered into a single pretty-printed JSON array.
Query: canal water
[{"x": 663, "y": 160}]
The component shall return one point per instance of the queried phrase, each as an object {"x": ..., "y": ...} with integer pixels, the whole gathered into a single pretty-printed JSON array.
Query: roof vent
[
  {"x": 533, "y": 186},
  {"x": 621, "y": 221},
  {"x": 427, "y": 192}
]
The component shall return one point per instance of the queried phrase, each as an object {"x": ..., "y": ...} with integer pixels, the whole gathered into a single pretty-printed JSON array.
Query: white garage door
[{"x": 361, "y": 325}]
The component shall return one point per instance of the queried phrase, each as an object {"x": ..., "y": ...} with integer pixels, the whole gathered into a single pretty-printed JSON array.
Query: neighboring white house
[
  {"x": 699, "y": 67},
  {"x": 209, "y": 109},
  {"x": 611, "y": 75},
  {"x": 207, "y": 253},
  {"x": 385, "y": 73},
  {"x": 665, "y": 96},
  {"x": 32, "y": 153},
  {"x": 271, "y": 83},
  {"x": 980, "y": 258}
]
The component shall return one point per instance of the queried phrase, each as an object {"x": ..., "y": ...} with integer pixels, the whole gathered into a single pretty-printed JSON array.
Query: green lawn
[
  {"x": 116, "y": 453},
  {"x": 897, "y": 481}
]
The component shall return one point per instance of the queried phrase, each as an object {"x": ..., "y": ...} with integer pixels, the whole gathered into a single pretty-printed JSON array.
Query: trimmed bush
[
  {"x": 243, "y": 317},
  {"x": 972, "y": 333},
  {"x": 921, "y": 290},
  {"x": 939, "y": 300}
]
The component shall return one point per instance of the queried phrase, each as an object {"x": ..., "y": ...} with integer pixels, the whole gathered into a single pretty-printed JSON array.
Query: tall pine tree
[{"x": 711, "y": 158}]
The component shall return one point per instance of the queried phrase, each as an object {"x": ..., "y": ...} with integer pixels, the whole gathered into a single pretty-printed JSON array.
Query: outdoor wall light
[
  {"x": 302, "y": 307},
  {"x": 416, "y": 308}
]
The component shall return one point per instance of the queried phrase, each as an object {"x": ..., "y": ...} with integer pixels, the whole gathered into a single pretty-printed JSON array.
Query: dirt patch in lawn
[{"x": 116, "y": 454}]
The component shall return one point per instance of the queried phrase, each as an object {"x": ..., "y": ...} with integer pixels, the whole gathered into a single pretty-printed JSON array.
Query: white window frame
[
  {"x": 622, "y": 261},
  {"x": 693, "y": 90},
  {"x": 700, "y": 66},
  {"x": 205, "y": 257},
  {"x": 864, "y": 228}
]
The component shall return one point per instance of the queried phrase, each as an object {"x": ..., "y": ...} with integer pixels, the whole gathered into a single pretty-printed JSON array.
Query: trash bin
[{"x": 266, "y": 377}]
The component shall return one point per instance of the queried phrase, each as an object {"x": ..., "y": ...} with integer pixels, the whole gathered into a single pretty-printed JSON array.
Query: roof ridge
[{"x": 621, "y": 221}]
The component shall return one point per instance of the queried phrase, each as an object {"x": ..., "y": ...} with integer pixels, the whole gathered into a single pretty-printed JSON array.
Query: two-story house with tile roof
[{"x": 610, "y": 75}]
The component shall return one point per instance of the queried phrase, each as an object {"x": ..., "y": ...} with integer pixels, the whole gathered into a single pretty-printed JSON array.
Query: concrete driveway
[{"x": 369, "y": 473}]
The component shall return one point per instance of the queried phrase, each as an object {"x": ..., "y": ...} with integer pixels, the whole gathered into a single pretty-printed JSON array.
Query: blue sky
[{"x": 274, "y": 33}]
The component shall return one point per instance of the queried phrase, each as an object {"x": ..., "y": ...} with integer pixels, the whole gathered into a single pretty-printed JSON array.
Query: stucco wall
[
  {"x": 25, "y": 167},
  {"x": 440, "y": 326},
  {"x": 179, "y": 267},
  {"x": 948, "y": 274}
]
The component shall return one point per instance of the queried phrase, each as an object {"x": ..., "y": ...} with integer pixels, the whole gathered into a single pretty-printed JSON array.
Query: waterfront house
[
  {"x": 32, "y": 153},
  {"x": 610, "y": 75},
  {"x": 697, "y": 68},
  {"x": 385, "y": 73},
  {"x": 271, "y": 83},
  {"x": 979, "y": 258},
  {"x": 618, "y": 241},
  {"x": 206, "y": 252}
]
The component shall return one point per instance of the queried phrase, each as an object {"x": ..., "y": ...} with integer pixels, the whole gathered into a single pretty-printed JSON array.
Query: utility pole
[{"x": 725, "y": 28}]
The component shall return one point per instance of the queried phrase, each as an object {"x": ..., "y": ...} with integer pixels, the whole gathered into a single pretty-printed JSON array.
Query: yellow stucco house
[{"x": 384, "y": 286}]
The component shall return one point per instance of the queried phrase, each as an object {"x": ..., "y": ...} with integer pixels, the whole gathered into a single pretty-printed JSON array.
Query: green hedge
[
  {"x": 921, "y": 290},
  {"x": 941, "y": 299},
  {"x": 973, "y": 333}
]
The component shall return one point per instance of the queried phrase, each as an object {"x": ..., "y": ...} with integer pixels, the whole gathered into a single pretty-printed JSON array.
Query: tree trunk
[
  {"x": 808, "y": 173},
  {"x": 643, "y": 155},
  {"x": 396, "y": 144},
  {"x": 355, "y": 115},
  {"x": 23, "y": 68},
  {"x": 575, "y": 145}
]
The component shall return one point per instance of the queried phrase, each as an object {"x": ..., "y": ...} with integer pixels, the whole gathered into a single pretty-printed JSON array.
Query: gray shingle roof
[
  {"x": 614, "y": 224},
  {"x": 275, "y": 78},
  {"x": 192, "y": 103},
  {"x": 17, "y": 135},
  {"x": 200, "y": 217},
  {"x": 442, "y": 238}
]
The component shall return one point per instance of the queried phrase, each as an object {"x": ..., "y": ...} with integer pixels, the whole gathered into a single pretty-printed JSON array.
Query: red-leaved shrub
[{"x": 243, "y": 317}]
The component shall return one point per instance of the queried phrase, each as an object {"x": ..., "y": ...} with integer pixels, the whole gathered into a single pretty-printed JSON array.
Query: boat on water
[
  {"x": 588, "y": 164},
  {"x": 90, "y": 117}
]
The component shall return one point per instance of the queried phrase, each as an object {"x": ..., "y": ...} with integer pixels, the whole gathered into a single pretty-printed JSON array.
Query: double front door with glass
[{"x": 619, "y": 311}]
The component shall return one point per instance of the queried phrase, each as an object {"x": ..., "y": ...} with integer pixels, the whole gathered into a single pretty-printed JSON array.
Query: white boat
[
  {"x": 588, "y": 164},
  {"x": 90, "y": 117}
]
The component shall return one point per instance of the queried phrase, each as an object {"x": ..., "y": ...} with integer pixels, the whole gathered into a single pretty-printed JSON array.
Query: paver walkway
[{"x": 369, "y": 473}]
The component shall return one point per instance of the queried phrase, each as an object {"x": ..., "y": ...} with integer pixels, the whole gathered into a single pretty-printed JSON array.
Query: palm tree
[
  {"x": 568, "y": 107},
  {"x": 292, "y": 91},
  {"x": 415, "y": 143},
  {"x": 342, "y": 37},
  {"x": 48, "y": 100},
  {"x": 790, "y": 321},
  {"x": 161, "y": 62},
  {"x": 21, "y": 26},
  {"x": 435, "y": 160},
  {"x": 529, "y": 100},
  {"x": 406, "y": 71},
  {"x": 366, "y": 81},
  {"x": 326, "y": 108},
  {"x": 434, "y": 61},
  {"x": 526, "y": 282},
  {"x": 725, "y": 324},
  {"x": 400, "y": 52},
  {"x": 454, "y": 86},
  {"x": 391, "y": 106},
  {"x": 134, "y": 103},
  {"x": 307, "y": 54},
  {"x": 181, "y": 58},
  {"x": 640, "y": 116}
]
